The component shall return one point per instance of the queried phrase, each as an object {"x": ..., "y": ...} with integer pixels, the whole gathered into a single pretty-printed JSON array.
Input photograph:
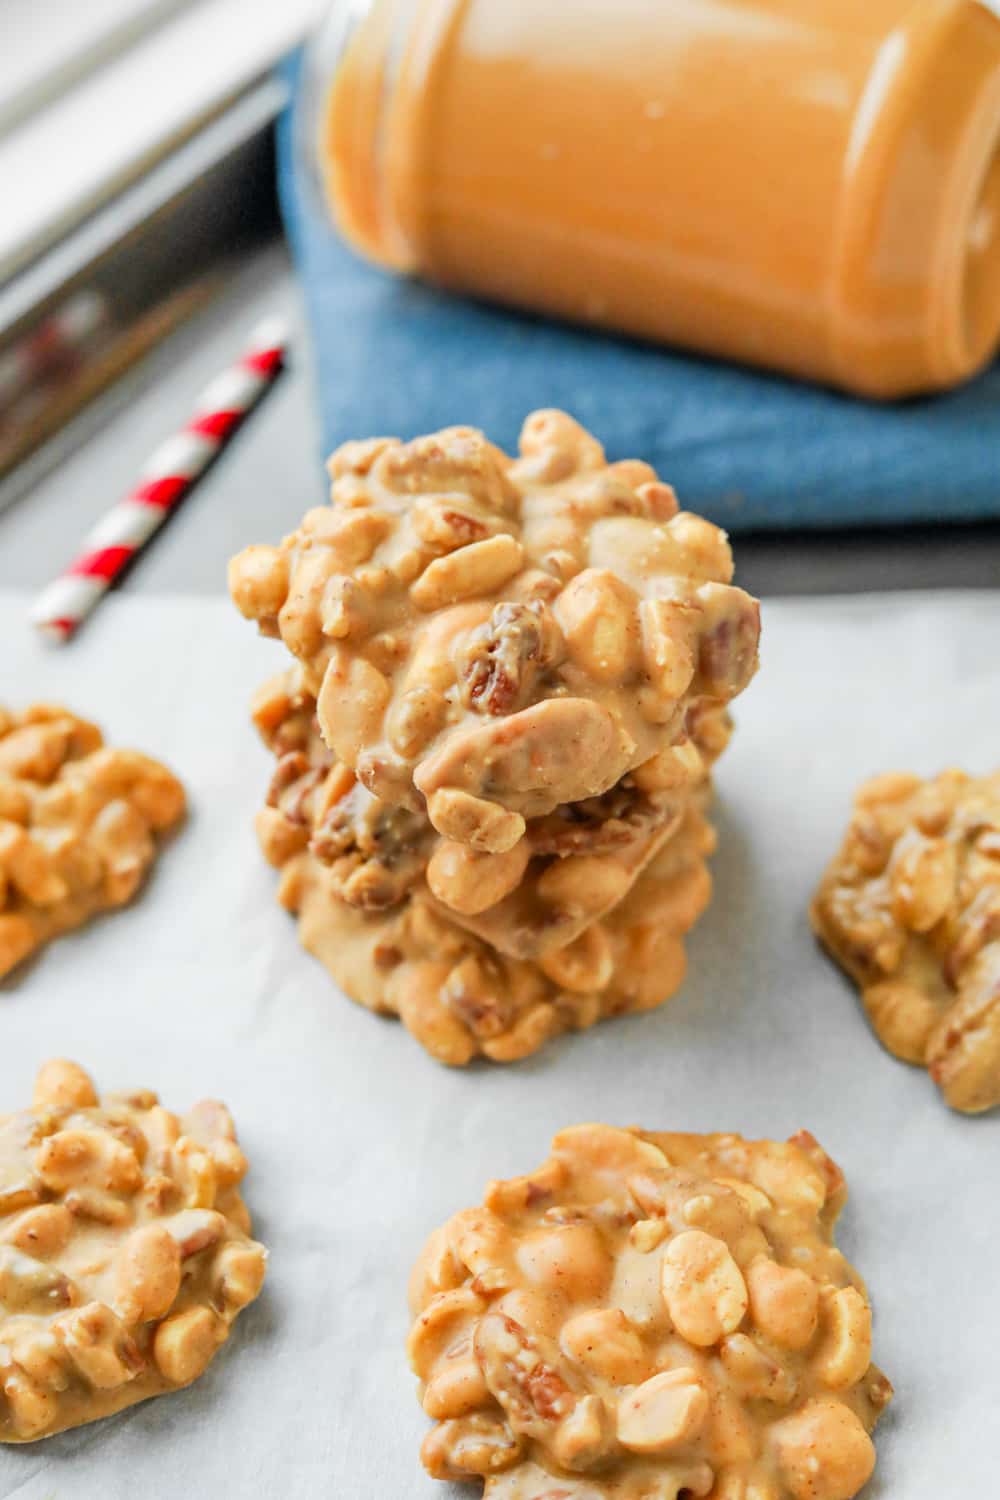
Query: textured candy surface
[
  {"x": 495, "y": 638},
  {"x": 649, "y": 1317},
  {"x": 910, "y": 907},
  {"x": 79, "y": 825},
  {"x": 124, "y": 1250}
]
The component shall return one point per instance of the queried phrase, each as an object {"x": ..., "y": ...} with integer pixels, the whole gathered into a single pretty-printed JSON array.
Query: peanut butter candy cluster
[
  {"x": 124, "y": 1250},
  {"x": 79, "y": 825},
  {"x": 493, "y": 750},
  {"x": 648, "y": 1317},
  {"x": 910, "y": 907}
]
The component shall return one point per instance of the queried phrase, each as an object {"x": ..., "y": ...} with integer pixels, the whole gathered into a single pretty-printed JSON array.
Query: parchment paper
[{"x": 360, "y": 1144}]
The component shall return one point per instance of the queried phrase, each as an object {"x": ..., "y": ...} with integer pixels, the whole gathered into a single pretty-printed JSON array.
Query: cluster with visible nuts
[
  {"x": 487, "y": 954},
  {"x": 124, "y": 1250},
  {"x": 648, "y": 1317},
  {"x": 910, "y": 907},
  {"x": 79, "y": 823},
  {"x": 512, "y": 679},
  {"x": 490, "y": 639}
]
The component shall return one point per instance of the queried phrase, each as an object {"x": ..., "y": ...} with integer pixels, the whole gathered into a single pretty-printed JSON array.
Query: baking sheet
[{"x": 360, "y": 1144}]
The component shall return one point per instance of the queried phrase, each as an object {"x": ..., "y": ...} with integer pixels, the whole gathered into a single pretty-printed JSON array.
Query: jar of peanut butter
[{"x": 808, "y": 185}]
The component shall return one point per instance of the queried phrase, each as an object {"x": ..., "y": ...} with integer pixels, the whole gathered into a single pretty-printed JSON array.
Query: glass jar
[{"x": 808, "y": 185}]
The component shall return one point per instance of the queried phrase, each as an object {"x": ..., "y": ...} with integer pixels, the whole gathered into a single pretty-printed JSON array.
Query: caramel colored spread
[
  {"x": 650, "y": 1315},
  {"x": 910, "y": 907},
  {"x": 807, "y": 184},
  {"x": 124, "y": 1250}
]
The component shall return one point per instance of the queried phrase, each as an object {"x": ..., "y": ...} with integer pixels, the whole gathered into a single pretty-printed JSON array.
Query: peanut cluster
[
  {"x": 597, "y": 934},
  {"x": 78, "y": 825},
  {"x": 492, "y": 638},
  {"x": 910, "y": 907},
  {"x": 124, "y": 1250},
  {"x": 648, "y": 1317}
]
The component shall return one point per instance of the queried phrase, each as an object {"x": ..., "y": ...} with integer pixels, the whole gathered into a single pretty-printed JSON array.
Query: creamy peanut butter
[
  {"x": 124, "y": 1250},
  {"x": 494, "y": 638},
  {"x": 79, "y": 825},
  {"x": 649, "y": 1315},
  {"x": 910, "y": 907},
  {"x": 812, "y": 185}
]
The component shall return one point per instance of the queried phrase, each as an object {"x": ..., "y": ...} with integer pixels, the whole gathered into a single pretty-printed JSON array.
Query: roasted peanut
[
  {"x": 351, "y": 703},
  {"x": 963, "y": 1050},
  {"x": 470, "y": 882},
  {"x": 415, "y": 719},
  {"x": 584, "y": 965},
  {"x": 99, "y": 1346},
  {"x": 663, "y": 1413},
  {"x": 922, "y": 874},
  {"x": 680, "y": 765},
  {"x": 185, "y": 1343},
  {"x": 147, "y": 1274},
  {"x": 706, "y": 546},
  {"x": 472, "y": 820},
  {"x": 604, "y": 1342},
  {"x": 823, "y": 1451},
  {"x": 32, "y": 1408},
  {"x": 668, "y": 655},
  {"x": 87, "y": 1158},
  {"x": 784, "y": 1303},
  {"x": 755, "y": 1373},
  {"x": 846, "y": 1349},
  {"x": 42, "y": 1231},
  {"x": 903, "y": 1017},
  {"x": 63, "y": 1085},
  {"x": 258, "y": 582},
  {"x": 568, "y": 1258},
  {"x": 478, "y": 568},
  {"x": 583, "y": 882},
  {"x": 239, "y": 1271},
  {"x": 417, "y": 996},
  {"x": 703, "y": 1288},
  {"x": 598, "y": 617},
  {"x": 474, "y": 1445},
  {"x": 28, "y": 1285}
]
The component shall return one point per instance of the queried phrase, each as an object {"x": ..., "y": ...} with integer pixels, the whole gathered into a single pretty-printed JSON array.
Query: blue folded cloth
[{"x": 749, "y": 450}]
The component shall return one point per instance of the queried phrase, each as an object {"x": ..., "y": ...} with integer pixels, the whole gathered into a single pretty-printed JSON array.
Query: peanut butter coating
[
  {"x": 124, "y": 1250},
  {"x": 490, "y": 954},
  {"x": 80, "y": 824},
  {"x": 649, "y": 1315},
  {"x": 491, "y": 639},
  {"x": 910, "y": 908}
]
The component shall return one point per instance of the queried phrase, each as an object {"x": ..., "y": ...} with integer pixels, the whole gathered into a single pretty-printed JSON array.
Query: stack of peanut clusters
[{"x": 511, "y": 680}]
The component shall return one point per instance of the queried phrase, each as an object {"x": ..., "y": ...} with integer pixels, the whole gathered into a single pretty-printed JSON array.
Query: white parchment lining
[{"x": 360, "y": 1144}]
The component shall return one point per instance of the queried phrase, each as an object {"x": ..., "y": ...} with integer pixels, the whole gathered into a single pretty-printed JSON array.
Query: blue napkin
[{"x": 749, "y": 450}]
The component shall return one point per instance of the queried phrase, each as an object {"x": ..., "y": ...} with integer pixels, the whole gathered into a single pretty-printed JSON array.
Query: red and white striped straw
[{"x": 166, "y": 479}]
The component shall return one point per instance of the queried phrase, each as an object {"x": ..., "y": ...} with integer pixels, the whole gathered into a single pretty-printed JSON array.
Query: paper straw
[{"x": 170, "y": 475}]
